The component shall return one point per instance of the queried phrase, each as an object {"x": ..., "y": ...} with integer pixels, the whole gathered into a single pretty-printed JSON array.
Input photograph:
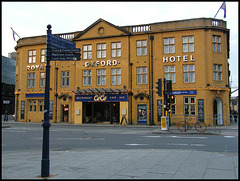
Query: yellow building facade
[{"x": 115, "y": 80}]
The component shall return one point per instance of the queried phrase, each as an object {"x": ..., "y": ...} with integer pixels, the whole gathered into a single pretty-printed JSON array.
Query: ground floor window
[{"x": 189, "y": 106}]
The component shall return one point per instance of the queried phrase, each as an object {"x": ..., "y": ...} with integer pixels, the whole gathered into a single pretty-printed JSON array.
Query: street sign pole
[{"x": 46, "y": 124}]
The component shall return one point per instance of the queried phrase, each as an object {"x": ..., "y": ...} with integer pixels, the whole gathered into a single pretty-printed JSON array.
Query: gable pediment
[{"x": 101, "y": 28}]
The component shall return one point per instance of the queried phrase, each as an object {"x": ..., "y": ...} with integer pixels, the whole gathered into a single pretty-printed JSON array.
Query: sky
[{"x": 31, "y": 18}]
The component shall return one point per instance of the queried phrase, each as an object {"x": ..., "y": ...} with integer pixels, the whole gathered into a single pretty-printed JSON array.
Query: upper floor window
[
  {"x": 87, "y": 77},
  {"x": 32, "y": 56},
  {"x": 141, "y": 75},
  {"x": 101, "y": 77},
  {"x": 116, "y": 49},
  {"x": 216, "y": 43},
  {"x": 116, "y": 76},
  {"x": 169, "y": 72},
  {"x": 141, "y": 47},
  {"x": 87, "y": 51},
  {"x": 43, "y": 55},
  {"x": 31, "y": 80},
  {"x": 188, "y": 43},
  {"x": 217, "y": 72},
  {"x": 101, "y": 50},
  {"x": 42, "y": 79},
  {"x": 189, "y": 73},
  {"x": 65, "y": 78},
  {"x": 169, "y": 45}
]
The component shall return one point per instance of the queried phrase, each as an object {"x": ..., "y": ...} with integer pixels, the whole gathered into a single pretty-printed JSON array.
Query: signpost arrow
[
  {"x": 67, "y": 50},
  {"x": 60, "y": 41}
]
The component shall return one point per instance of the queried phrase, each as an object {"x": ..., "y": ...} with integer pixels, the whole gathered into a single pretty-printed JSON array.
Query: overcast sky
[{"x": 31, "y": 18}]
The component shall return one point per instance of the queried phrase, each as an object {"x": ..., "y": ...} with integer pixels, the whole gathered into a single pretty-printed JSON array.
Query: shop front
[{"x": 101, "y": 108}]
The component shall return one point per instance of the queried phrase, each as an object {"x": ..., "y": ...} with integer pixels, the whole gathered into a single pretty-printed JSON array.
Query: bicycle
[{"x": 183, "y": 126}]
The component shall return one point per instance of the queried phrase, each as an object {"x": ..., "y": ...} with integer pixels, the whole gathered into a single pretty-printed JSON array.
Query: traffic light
[
  {"x": 159, "y": 87},
  {"x": 169, "y": 86},
  {"x": 172, "y": 99}
]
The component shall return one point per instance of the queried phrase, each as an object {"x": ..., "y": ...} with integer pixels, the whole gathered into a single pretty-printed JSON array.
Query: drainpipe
[{"x": 152, "y": 38}]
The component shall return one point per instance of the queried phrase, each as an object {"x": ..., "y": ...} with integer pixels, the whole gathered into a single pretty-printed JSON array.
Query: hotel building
[{"x": 115, "y": 80}]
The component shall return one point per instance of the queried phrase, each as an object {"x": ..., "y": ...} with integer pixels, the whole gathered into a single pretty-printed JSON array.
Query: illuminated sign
[
  {"x": 172, "y": 59},
  {"x": 35, "y": 67},
  {"x": 101, "y": 97},
  {"x": 103, "y": 63}
]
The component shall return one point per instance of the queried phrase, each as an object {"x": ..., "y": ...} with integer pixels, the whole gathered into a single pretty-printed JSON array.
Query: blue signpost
[{"x": 57, "y": 49}]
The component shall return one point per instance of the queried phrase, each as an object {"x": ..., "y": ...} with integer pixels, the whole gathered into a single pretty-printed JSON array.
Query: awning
[{"x": 99, "y": 90}]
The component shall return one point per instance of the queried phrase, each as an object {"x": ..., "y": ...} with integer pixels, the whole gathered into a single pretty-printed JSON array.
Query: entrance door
[
  {"x": 64, "y": 113},
  {"x": 217, "y": 112}
]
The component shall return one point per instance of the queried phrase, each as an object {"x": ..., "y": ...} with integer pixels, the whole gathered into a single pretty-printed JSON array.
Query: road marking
[
  {"x": 229, "y": 136},
  {"x": 134, "y": 144},
  {"x": 16, "y": 131},
  {"x": 197, "y": 145},
  {"x": 183, "y": 144},
  {"x": 151, "y": 136},
  {"x": 188, "y": 137}
]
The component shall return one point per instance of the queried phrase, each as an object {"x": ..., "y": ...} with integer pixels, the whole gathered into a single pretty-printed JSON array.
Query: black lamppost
[{"x": 46, "y": 124}]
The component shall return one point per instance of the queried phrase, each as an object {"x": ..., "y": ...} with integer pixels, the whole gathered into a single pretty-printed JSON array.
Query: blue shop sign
[
  {"x": 102, "y": 98},
  {"x": 35, "y": 95},
  {"x": 185, "y": 92}
]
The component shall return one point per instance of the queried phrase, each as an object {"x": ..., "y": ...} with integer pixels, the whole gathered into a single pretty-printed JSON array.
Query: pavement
[{"x": 125, "y": 163}]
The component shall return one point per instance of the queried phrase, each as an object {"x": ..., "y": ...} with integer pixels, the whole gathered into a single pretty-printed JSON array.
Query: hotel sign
[{"x": 173, "y": 59}]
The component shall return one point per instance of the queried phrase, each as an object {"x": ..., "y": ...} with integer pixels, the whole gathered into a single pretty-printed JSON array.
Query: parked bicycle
[{"x": 183, "y": 126}]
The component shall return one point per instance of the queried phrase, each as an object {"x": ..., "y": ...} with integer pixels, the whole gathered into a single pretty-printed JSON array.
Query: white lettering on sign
[
  {"x": 185, "y": 58},
  {"x": 102, "y": 63},
  {"x": 35, "y": 67}
]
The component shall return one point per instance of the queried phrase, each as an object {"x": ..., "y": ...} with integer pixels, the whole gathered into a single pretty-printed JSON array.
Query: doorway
[
  {"x": 64, "y": 113},
  {"x": 217, "y": 112}
]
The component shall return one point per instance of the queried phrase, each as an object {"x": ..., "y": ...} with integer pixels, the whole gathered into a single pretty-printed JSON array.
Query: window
[
  {"x": 42, "y": 79},
  {"x": 43, "y": 55},
  {"x": 116, "y": 76},
  {"x": 87, "y": 77},
  {"x": 41, "y": 105},
  {"x": 65, "y": 78},
  {"x": 188, "y": 43},
  {"x": 32, "y": 56},
  {"x": 173, "y": 106},
  {"x": 87, "y": 51},
  {"x": 189, "y": 105},
  {"x": 141, "y": 47},
  {"x": 116, "y": 49},
  {"x": 141, "y": 75},
  {"x": 169, "y": 45},
  {"x": 32, "y": 105},
  {"x": 101, "y": 50},
  {"x": 216, "y": 43},
  {"x": 217, "y": 72},
  {"x": 101, "y": 77},
  {"x": 169, "y": 72},
  {"x": 189, "y": 73},
  {"x": 31, "y": 80}
]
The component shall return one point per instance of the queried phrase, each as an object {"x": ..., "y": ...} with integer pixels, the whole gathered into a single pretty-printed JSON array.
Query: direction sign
[
  {"x": 60, "y": 41},
  {"x": 66, "y": 56},
  {"x": 67, "y": 50}
]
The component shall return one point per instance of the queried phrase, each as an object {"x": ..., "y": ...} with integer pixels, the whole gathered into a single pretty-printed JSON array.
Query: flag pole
[
  {"x": 217, "y": 12},
  {"x": 15, "y": 33}
]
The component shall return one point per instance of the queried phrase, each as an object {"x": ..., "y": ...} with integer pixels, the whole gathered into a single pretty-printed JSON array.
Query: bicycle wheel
[
  {"x": 200, "y": 127},
  {"x": 182, "y": 126}
]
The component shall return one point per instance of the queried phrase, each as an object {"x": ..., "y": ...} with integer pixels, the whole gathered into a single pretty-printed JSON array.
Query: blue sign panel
[
  {"x": 58, "y": 41},
  {"x": 35, "y": 95},
  {"x": 67, "y": 50},
  {"x": 185, "y": 92},
  {"x": 102, "y": 98}
]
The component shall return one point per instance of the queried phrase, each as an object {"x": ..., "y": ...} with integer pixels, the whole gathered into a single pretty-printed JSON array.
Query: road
[{"x": 19, "y": 137}]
